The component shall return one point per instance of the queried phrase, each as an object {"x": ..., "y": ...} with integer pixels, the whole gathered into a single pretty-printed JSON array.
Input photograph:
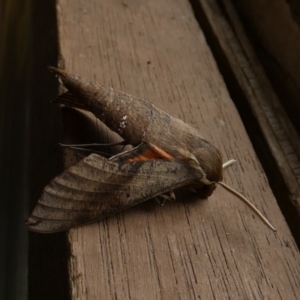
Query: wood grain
[
  {"x": 189, "y": 249},
  {"x": 281, "y": 136}
]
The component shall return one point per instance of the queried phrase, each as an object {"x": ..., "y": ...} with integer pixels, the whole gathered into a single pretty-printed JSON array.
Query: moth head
[
  {"x": 206, "y": 190},
  {"x": 209, "y": 160},
  {"x": 212, "y": 186}
]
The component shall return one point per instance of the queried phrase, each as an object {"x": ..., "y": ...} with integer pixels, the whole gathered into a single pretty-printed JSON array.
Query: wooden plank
[
  {"x": 276, "y": 31},
  {"x": 188, "y": 249},
  {"x": 246, "y": 74},
  {"x": 282, "y": 137}
]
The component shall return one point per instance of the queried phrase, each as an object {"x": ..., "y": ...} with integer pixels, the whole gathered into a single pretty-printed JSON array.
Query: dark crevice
[
  {"x": 48, "y": 276},
  {"x": 260, "y": 145},
  {"x": 287, "y": 90}
]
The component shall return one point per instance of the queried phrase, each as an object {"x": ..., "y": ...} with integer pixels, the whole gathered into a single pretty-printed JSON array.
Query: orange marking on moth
[
  {"x": 161, "y": 152},
  {"x": 153, "y": 153}
]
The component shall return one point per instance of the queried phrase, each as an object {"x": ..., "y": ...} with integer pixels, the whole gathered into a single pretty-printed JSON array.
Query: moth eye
[
  {"x": 206, "y": 190},
  {"x": 127, "y": 195}
]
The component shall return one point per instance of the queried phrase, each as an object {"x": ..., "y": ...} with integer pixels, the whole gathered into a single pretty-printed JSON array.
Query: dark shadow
[
  {"x": 48, "y": 276},
  {"x": 32, "y": 266}
]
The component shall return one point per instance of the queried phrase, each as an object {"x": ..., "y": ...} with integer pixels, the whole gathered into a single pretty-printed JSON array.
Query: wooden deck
[{"x": 192, "y": 248}]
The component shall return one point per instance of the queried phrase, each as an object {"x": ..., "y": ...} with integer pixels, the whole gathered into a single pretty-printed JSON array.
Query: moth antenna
[
  {"x": 91, "y": 151},
  {"x": 124, "y": 152},
  {"x": 228, "y": 163},
  {"x": 247, "y": 202},
  {"x": 92, "y": 144}
]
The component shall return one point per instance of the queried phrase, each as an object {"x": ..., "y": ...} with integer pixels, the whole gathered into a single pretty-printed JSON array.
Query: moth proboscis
[{"x": 167, "y": 154}]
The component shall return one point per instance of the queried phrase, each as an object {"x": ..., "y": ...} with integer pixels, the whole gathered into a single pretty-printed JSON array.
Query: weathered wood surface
[
  {"x": 204, "y": 249},
  {"x": 282, "y": 140}
]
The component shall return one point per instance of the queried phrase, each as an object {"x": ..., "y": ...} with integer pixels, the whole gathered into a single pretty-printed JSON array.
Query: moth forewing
[{"x": 96, "y": 187}]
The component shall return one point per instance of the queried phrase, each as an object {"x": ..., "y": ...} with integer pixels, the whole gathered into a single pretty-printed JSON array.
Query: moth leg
[
  {"x": 161, "y": 199},
  {"x": 172, "y": 196}
]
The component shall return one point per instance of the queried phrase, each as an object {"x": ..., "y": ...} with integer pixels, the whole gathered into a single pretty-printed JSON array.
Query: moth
[{"x": 167, "y": 154}]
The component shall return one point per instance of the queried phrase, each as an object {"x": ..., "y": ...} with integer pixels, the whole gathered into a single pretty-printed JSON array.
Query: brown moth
[{"x": 167, "y": 154}]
